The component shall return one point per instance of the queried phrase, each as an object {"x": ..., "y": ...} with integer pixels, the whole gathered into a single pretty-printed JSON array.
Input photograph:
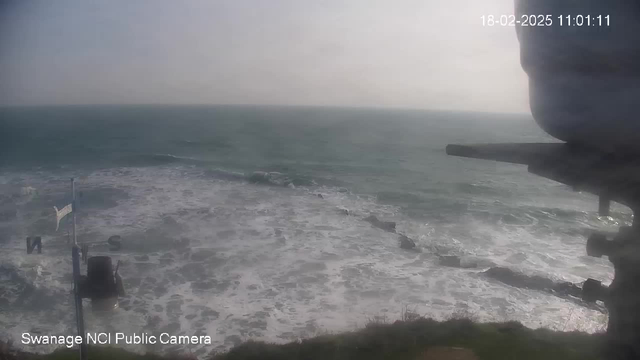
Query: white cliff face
[{"x": 584, "y": 81}]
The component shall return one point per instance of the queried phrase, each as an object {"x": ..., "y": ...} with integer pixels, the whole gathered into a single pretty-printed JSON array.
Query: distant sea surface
[{"x": 224, "y": 233}]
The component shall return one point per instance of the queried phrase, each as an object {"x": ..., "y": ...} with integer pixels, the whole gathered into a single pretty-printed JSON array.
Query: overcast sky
[{"x": 432, "y": 54}]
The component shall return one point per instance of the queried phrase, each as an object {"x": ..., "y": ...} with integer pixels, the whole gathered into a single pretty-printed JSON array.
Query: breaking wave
[{"x": 158, "y": 159}]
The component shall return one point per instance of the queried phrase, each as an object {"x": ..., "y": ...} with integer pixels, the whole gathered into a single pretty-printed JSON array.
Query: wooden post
[{"x": 604, "y": 204}]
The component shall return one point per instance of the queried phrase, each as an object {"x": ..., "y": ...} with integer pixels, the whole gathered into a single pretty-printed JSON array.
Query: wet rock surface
[
  {"x": 388, "y": 226},
  {"x": 450, "y": 260},
  {"x": 406, "y": 243},
  {"x": 464, "y": 262},
  {"x": 562, "y": 289},
  {"x": 141, "y": 258}
]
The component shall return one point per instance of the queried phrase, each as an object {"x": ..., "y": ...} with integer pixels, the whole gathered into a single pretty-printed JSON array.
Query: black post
[
  {"x": 623, "y": 302},
  {"x": 604, "y": 205},
  {"x": 75, "y": 255},
  {"x": 31, "y": 245}
]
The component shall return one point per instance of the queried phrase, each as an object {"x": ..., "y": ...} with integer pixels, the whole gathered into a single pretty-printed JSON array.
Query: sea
[{"x": 250, "y": 222}]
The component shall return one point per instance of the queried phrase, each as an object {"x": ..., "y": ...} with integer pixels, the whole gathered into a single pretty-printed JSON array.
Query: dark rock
[
  {"x": 406, "y": 243},
  {"x": 320, "y": 196},
  {"x": 520, "y": 280},
  {"x": 567, "y": 288},
  {"x": 389, "y": 226},
  {"x": 533, "y": 282},
  {"x": 453, "y": 261},
  {"x": 465, "y": 262}
]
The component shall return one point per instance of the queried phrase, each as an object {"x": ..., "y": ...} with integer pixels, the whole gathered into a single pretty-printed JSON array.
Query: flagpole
[
  {"x": 73, "y": 209},
  {"x": 75, "y": 256}
]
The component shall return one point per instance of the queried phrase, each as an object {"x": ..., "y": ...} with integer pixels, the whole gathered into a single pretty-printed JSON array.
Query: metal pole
[
  {"x": 78, "y": 299},
  {"x": 75, "y": 256},
  {"x": 73, "y": 209}
]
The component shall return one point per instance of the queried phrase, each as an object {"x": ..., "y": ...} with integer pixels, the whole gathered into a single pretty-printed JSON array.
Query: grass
[
  {"x": 406, "y": 339},
  {"x": 410, "y": 339}
]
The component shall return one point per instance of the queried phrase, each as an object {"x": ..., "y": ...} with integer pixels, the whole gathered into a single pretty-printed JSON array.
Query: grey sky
[{"x": 431, "y": 54}]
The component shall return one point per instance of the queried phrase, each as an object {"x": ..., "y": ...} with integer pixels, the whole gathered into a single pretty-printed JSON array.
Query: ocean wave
[
  {"x": 274, "y": 178},
  {"x": 480, "y": 189},
  {"x": 280, "y": 179},
  {"x": 269, "y": 178},
  {"x": 199, "y": 144},
  {"x": 158, "y": 159}
]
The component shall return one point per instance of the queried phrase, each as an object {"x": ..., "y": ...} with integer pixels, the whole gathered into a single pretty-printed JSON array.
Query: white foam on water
[{"x": 237, "y": 261}]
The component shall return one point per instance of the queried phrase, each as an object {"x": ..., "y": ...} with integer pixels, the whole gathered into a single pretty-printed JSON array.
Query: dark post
[
  {"x": 37, "y": 242},
  {"x": 75, "y": 255},
  {"x": 604, "y": 204},
  {"x": 85, "y": 252},
  {"x": 623, "y": 330}
]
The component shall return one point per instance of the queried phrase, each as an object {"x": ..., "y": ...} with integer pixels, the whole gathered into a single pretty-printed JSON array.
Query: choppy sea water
[{"x": 224, "y": 233}]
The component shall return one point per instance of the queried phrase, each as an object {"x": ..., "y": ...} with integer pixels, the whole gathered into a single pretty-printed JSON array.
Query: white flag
[{"x": 62, "y": 213}]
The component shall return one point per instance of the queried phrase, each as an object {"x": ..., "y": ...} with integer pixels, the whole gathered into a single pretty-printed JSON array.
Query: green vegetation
[{"x": 402, "y": 340}]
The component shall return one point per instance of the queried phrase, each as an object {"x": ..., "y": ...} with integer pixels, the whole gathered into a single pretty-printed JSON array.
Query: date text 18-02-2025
[{"x": 547, "y": 20}]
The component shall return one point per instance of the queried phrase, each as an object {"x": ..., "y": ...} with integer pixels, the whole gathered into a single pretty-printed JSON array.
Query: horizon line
[{"x": 346, "y": 107}]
